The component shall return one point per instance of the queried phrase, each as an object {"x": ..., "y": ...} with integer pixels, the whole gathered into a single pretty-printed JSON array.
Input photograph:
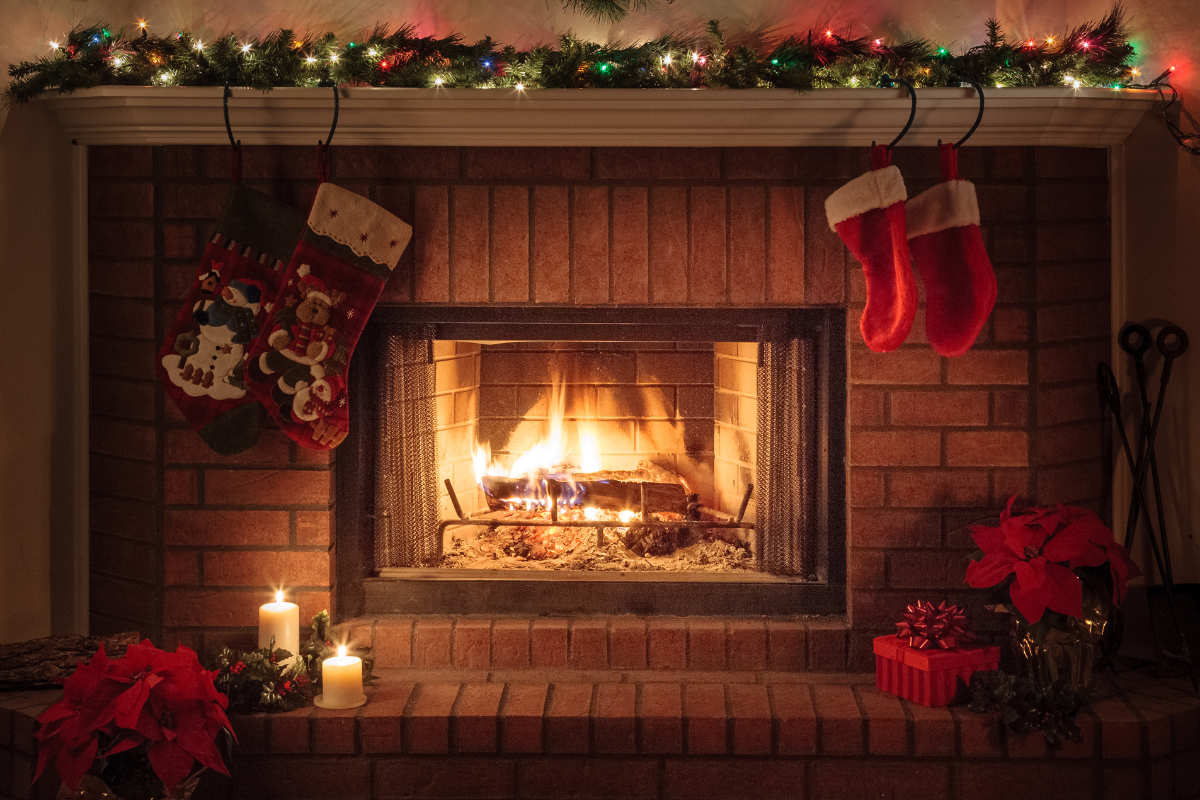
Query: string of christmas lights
[{"x": 1092, "y": 54}]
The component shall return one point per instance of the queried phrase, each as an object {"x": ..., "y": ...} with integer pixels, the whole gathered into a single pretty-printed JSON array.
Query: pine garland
[
  {"x": 257, "y": 680},
  {"x": 1093, "y": 54}
]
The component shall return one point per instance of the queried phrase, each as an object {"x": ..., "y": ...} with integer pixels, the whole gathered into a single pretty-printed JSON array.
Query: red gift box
[{"x": 928, "y": 677}]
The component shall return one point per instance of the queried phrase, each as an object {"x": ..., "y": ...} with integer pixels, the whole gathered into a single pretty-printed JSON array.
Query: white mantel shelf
[{"x": 598, "y": 117}]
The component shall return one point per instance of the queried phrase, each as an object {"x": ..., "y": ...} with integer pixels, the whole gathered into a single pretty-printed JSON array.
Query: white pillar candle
[
  {"x": 282, "y": 621},
  {"x": 341, "y": 681}
]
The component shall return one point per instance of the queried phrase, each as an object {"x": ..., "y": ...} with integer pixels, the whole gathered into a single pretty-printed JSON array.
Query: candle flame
[
  {"x": 279, "y": 596},
  {"x": 341, "y": 651}
]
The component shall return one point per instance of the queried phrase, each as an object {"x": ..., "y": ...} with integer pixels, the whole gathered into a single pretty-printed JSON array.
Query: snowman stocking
[
  {"x": 943, "y": 233},
  {"x": 868, "y": 214},
  {"x": 300, "y": 362},
  {"x": 202, "y": 362}
]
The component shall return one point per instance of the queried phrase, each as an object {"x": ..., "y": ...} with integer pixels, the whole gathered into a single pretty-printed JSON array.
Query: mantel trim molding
[{"x": 598, "y": 117}]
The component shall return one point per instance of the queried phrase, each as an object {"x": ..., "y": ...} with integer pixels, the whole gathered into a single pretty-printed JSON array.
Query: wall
[
  {"x": 36, "y": 390},
  {"x": 1162, "y": 196},
  {"x": 456, "y": 376},
  {"x": 187, "y": 544},
  {"x": 735, "y": 424}
]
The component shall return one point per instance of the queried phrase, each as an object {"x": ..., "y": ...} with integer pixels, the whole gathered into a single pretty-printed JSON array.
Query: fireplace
[
  {"x": 186, "y": 544},
  {"x": 633, "y": 446}
]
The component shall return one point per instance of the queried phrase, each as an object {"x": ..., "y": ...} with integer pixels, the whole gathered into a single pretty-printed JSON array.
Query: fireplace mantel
[{"x": 599, "y": 117}]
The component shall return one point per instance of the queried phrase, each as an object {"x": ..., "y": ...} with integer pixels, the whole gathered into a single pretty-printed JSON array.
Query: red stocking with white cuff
[
  {"x": 868, "y": 214},
  {"x": 301, "y": 361},
  {"x": 947, "y": 247}
]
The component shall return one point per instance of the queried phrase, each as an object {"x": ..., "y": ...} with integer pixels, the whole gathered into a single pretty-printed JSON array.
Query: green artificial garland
[
  {"x": 257, "y": 680},
  {"x": 1025, "y": 705},
  {"x": 1093, "y": 54}
]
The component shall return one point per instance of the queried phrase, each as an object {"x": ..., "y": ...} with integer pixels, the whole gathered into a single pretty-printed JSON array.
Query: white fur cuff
[
  {"x": 948, "y": 205},
  {"x": 878, "y": 188},
  {"x": 359, "y": 224}
]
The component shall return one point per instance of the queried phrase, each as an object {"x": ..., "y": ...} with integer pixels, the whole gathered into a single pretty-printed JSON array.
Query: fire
[{"x": 550, "y": 456}]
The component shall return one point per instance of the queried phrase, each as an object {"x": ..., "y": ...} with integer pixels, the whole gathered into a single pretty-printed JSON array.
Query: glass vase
[
  {"x": 92, "y": 787},
  {"x": 1060, "y": 647}
]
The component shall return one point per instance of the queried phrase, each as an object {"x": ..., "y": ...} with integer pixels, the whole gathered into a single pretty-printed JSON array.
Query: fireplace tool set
[{"x": 1171, "y": 604}]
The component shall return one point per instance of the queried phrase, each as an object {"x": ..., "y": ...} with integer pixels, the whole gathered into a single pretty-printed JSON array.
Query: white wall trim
[
  {"x": 598, "y": 117},
  {"x": 80, "y": 389}
]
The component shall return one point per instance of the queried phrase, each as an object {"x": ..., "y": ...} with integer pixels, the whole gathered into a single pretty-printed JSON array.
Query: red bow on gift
[{"x": 926, "y": 625}]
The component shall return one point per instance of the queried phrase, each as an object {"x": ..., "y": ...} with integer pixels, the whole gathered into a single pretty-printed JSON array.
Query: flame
[
  {"x": 627, "y": 516},
  {"x": 341, "y": 651},
  {"x": 551, "y": 453},
  {"x": 279, "y": 596}
]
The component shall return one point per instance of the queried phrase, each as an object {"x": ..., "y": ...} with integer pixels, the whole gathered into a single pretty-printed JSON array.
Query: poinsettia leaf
[
  {"x": 1064, "y": 591},
  {"x": 1030, "y": 602},
  {"x": 990, "y": 570},
  {"x": 171, "y": 763}
]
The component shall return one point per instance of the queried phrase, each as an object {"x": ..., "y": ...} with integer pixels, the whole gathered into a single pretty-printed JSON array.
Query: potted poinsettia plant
[
  {"x": 1060, "y": 575},
  {"x": 141, "y": 727}
]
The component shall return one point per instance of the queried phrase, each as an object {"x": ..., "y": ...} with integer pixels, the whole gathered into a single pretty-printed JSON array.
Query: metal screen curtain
[
  {"x": 406, "y": 496},
  {"x": 787, "y": 448}
]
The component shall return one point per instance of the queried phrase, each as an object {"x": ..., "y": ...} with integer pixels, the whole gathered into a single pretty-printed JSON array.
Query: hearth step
[
  {"x": 548, "y": 734},
  {"x": 617, "y": 642}
]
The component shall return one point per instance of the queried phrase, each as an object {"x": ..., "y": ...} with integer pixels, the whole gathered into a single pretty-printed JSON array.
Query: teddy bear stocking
[
  {"x": 299, "y": 367},
  {"x": 868, "y": 214},
  {"x": 202, "y": 361},
  {"x": 947, "y": 247}
]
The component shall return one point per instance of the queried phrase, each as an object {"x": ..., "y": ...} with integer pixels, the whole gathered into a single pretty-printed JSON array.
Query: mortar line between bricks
[
  {"x": 819, "y": 744},
  {"x": 453, "y": 723},
  {"x": 1143, "y": 728},
  {"x": 865, "y": 722},
  {"x": 406, "y": 718},
  {"x": 502, "y": 716},
  {"x": 160, "y": 407}
]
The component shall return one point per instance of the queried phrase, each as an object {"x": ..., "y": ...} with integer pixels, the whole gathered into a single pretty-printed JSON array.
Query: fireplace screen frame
[{"x": 361, "y": 589}]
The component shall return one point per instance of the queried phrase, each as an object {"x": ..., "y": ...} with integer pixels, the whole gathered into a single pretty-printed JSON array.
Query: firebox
[{"x": 573, "y": 460}]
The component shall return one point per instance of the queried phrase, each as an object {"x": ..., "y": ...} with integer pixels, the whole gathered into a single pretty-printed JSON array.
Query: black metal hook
[
  {"x": 978, "y": 117},
  {"x": 887, "y": 82},
  {"x": 333, "y": 127},
  {"x": 229, "y": 129}
]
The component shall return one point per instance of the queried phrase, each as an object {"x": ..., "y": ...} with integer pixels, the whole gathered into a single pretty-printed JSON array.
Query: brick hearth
[
  {"x": 662, "y": 734},
  {"x": 187, "y": 544}
]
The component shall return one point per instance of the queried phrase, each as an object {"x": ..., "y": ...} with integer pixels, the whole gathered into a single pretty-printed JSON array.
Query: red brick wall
[{"x": 187, "y": 543}]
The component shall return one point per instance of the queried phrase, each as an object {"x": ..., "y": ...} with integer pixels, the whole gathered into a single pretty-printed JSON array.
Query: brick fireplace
[{"x": 186, "y": 544}]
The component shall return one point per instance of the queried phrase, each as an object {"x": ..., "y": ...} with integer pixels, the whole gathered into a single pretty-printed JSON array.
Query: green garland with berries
[
  {"x": 258, "y": 680},
  {"x": 1092, "y": 54}
]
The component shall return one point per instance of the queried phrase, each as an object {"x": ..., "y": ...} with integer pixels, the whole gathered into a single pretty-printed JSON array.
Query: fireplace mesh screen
[
  {"x": 406, "y": 502},
  {"x": 786, "y": 464}
]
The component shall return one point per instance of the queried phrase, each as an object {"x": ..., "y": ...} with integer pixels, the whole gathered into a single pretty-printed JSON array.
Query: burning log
[{"x": 597, "y": 490}]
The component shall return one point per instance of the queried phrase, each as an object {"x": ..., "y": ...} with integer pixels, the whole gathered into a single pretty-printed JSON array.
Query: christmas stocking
[
  {"x": 947, "y": 247},
  {"x": 299, "y": 367},
  {"x": 868, "y": 214},
  {"x": 202, "y": 362}
]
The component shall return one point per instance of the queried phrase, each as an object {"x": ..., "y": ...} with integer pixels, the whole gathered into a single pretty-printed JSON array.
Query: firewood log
[
  {"x": 41, "y": 663},
  {"x": 597, "y": 491}
]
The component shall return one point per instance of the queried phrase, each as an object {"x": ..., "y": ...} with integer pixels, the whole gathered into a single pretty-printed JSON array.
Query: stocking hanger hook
[
  {"x": 323, "y": 147},
  {"x": 888, "y": 82},
  {"x": 336, "y": 109},
  {"x": 229, "y": 129},
  {"x": 978, "y": 117}
]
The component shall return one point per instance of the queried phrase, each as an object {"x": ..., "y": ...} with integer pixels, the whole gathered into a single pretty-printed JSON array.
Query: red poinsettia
[
  {"x": 163, "y": 701},
  {"x": 1040, "y": 548}
]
